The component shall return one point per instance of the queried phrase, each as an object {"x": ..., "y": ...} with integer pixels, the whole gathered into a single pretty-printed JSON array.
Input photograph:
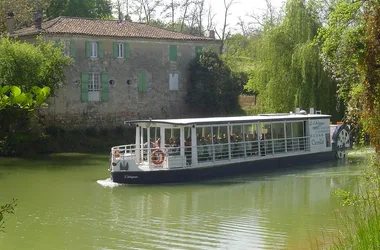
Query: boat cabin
[{"x": 198, "y": 142}]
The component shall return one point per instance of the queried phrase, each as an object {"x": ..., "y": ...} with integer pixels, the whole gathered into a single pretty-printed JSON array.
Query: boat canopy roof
[{"x": 232, "y": 119}]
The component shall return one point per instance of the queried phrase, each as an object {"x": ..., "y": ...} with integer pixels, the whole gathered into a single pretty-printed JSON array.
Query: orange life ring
[{"x": 158, "y": 157}]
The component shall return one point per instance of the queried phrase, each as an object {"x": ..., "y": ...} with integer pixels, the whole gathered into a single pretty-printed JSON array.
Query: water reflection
[{"x": 256, "y": 211}]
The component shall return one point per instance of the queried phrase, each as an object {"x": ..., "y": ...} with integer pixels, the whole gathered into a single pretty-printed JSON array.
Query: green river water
[{"x": 68, "y": 202}]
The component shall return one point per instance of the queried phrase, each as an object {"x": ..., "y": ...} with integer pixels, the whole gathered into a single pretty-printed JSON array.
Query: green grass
[{"x": 361, "y": 229}]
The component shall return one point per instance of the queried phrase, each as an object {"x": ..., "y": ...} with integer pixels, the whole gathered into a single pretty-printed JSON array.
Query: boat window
[
  {"x": 220, "y": 133},
  {"x": 251, "y": 144},
  {"x": 266, "y": 145},
  {"x": 266, "y": 131},
  {"x": 143, "y": 135},
  {"x": 278, "y": 136},
  {"x": 172, "y": 137},
  {"x": 188, "y": 132},
  {"x": 188, "y": 144},
  {"x": 278, "y": 130},
  {"x": 297, "y": 129},
  {"x": 204, "y": 134},
  {"x": 154, "y": 134},
  {"x": 236, "y": 133},
  {"x": 289, "y": 130},
  {"x": 204, "y": 144},
  {"x": 250, "y": 132},
  {"x": 220, "y": 141}
]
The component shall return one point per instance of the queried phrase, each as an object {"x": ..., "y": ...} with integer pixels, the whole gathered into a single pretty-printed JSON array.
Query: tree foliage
[
  {"x": 23, "y": 11},
  {"x": 371, "y": 68},
  {"x": 6, "y": 209},
  {"x": 350, "y": 52},
  {"x": 213, "y": 88},
  {"x": 288, "y": 71},
  {"x": 28, "y": 75},
  {"x": 12, "y": 96},
  {"x": 79, "y": 8},
  {"x": 28, "y": 65},
  {"x": 342, "y": 41}
]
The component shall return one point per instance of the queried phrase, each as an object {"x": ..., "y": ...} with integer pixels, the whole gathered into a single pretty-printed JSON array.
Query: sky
[{"x": 241, "y": 8}]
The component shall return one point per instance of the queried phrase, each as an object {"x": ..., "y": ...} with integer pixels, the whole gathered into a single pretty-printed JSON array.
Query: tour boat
[{"x": 192, "y": 149}]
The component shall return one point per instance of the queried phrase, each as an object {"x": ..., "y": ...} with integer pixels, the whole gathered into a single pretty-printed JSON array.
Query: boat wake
[{"x": 108, "y": 183}]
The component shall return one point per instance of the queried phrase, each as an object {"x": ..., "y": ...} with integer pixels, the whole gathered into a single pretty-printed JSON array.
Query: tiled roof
[{"x": 108, "y": 28}]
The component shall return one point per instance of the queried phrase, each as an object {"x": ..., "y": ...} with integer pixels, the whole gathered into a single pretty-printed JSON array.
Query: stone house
[{"x": 120, "y": 70}]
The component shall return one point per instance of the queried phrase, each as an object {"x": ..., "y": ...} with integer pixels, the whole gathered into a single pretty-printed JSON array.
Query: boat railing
[
  {"x": 253, "y": 148},
  {"x": 212, "y": 152},
  {"x": 124, "y": 151}
]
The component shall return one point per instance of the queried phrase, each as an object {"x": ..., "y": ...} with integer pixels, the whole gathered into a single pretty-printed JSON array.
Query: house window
[
  {"x": 173, "y": 81},
  {"x": 120, "y": 50},
  {"x": 94, "y": 87},
  {"x": 94, "y": 49}
]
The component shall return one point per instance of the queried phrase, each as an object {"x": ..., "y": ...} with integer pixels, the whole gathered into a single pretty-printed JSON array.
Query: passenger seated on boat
[
  {"x": 173, "y": 148},
  {"x": 172, "y": 142}
]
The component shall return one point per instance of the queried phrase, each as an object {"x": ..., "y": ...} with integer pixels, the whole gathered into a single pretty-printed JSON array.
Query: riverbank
[{"x": 56, "y": 140}]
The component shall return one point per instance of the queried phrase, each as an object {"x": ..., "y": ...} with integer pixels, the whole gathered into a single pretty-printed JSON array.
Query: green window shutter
[
  {"x": 73, "y": 48},
  {"x": 105, "y": 87},
  {"x": 84, "y": 88},
  {"x": 100, "y": 50},
  {"x": 88, "y": 49},
  {"x": 145, "y": 81},
  {"x": 198, "y": 50},
  {"x": 115, "y": 50},
  {"x": 142, "y": 79},
  {"x": 139, "y": 79},
  {"x": 173, "y": 52},
  {"x": 127, "y": 51}
]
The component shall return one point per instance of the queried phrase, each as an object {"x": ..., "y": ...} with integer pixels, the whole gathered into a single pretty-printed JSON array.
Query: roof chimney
[
  {"x": 128, "y": 18},
  {"x": 38, "y": 19},
  {"x": 211, "y": 34},
  {"x": 11, "y": 22}
]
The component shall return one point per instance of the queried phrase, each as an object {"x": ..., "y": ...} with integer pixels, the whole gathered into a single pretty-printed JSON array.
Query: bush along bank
[
  {"x": 57, "y": 140},
  {"x": 361, "y": 229}
]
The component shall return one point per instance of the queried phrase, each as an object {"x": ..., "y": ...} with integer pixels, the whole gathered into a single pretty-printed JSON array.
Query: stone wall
[
  {"x": 246, "y": 101},
  {"x": 126, "y": 102},
  {"x": 89, "y": 120}
]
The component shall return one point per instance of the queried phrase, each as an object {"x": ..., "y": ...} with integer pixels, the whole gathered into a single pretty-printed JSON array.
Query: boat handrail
[{"x": 216, "y": 151}]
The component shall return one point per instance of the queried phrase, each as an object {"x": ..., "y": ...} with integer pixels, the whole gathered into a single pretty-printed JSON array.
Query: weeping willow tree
[{"x": 289, "y": 72}]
